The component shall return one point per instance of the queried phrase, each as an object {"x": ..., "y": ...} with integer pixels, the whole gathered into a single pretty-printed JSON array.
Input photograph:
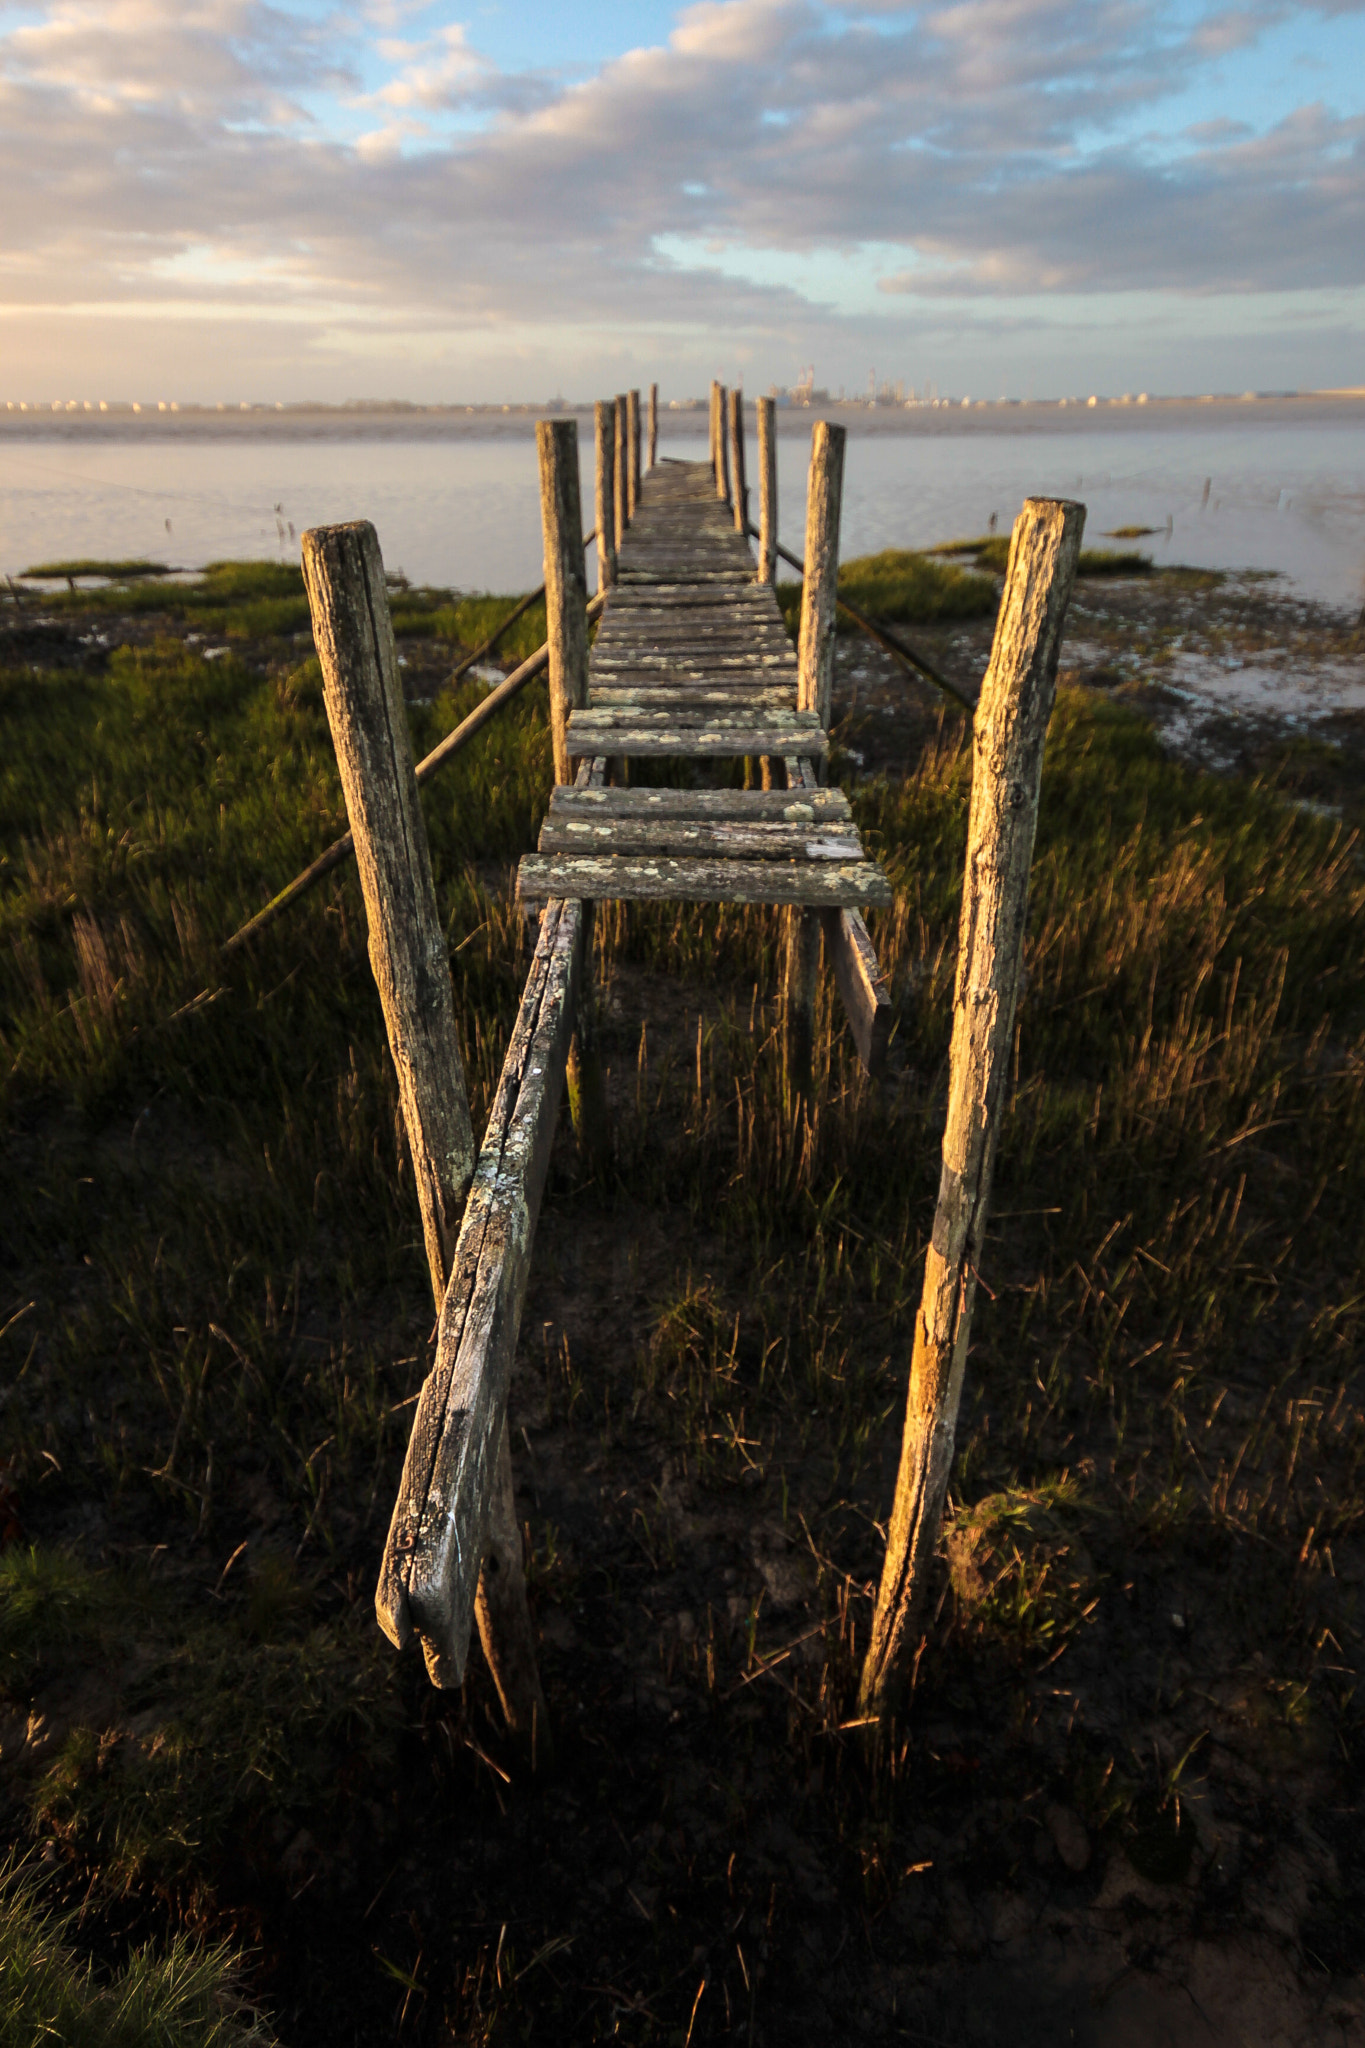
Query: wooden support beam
[
  {"x": 352, "y": 630},
  {"x": 604, "y": 431},
  {"x": 867, "y": 1005},
  {"x": 767, "y": 490},
  {"x": 737, "y": 450},
  {"x": 633, "y": 454},
  {"x": 441, "y": 1517},
  {"x": 1008, "y": 736},
  {"x": 566, "y": 581},
  {"x": 646, "y": 878},
  {"x": 620, "y": 483},
  {"x": 824, "y": 493},
  {"x": 714, "y": 455},
  {"x": 344, "y": 577},
  {"x": 653, "y": 425}
]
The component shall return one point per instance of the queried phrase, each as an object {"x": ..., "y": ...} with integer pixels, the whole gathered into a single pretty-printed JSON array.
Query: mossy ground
[{"x": 215, "y": 1316}]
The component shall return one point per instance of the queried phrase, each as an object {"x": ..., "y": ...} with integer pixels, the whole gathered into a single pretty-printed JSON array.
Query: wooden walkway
[
  {"x": 693, "y": 662},
  {"x": 692, "y": 666}
]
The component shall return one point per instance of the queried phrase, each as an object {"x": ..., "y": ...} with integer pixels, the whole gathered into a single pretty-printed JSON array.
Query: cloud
[{"x": 368, "y": 161}]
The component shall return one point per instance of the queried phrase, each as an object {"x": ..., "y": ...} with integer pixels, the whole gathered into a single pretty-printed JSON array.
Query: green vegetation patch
[
  {"x": 991, "y": 551},
  {"x": 117, "y": 572},
  {"x": 902, "y": 586}
]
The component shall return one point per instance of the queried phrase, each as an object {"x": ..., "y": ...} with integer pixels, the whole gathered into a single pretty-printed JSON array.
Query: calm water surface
[{"x": 1282, "y": 494}]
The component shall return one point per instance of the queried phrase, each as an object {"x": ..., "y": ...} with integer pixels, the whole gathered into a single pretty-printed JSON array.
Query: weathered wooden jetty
[{"x": 691, "y": 664}]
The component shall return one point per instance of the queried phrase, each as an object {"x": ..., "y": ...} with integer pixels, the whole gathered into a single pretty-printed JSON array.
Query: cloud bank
[{"x": 228, "y": 193}]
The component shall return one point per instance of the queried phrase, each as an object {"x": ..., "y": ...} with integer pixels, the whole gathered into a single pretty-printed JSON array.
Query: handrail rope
[
  {"x": 883, "y": 636},
  {"x": 340, "y": 849}
]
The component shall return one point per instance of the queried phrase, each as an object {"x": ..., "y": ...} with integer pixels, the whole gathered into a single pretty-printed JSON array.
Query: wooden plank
[
  {"x": 764, "y": 839},
  {"x": 617, "y": 696},
  {"x": 439, "y": 1526},
  {"x": 697, "y": 743},
  {"x": 641, "y": 879},
  {"x": 796, "y": 726},
  {"x": 867, "y": 1004},
  {"x": 828, "y": 806}
]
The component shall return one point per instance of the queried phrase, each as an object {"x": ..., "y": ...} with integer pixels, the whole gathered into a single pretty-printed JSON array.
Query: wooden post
[
  {"x": 740, "y": 479},
  {"x": 715, "y": 430},
  {"x": 653, "y": 425},
  {"x": 633, "y": 433},
  {"x": 604, "y": 428},
  {"x": 344, "y": 576},
  {"x": 722, "y": 445},
  {"x": 767, "y": 490},
  {"x": 815, "y": 651},
  {"x": 1007, "y": 744},
  {"x": 620, "y": 488},
  {"x": 566, "y": 580}
]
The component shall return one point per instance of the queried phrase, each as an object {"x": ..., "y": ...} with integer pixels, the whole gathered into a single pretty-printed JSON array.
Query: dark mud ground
[{"x": 703, "y": 1865}]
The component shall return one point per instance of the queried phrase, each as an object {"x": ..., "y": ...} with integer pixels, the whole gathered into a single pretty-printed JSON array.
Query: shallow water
[{"x": 1284, "y": 494}]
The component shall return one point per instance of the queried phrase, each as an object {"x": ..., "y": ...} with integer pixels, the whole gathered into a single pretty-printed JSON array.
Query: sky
[{"x": 228, "y": 200}]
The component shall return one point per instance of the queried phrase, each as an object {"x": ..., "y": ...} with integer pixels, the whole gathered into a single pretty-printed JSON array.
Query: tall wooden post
[
  {"x": 815, "y": 650},
  {"x": 767, "y": 490},
  {"x": 633, "y": 435},
  {"x": 604, "y": 431},
  {"x": 722, "y": 444},
  {"x": 653, "y": 425},
  {"x": 566, "y": 580},
  {"x": 1008, "y": 733},
  {"x": 741, "y": 481},
  {"x": 620, "y": 487},
  {"x": 344, "y": 576}
]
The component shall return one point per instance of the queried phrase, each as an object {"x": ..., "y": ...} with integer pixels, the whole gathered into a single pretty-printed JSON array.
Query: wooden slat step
[
  {"x": 740, "y": 806},
  {"x": 696, "y": 743},
  {"x": 764, "y": 839},
  {"x": 612, "y": 695},
  {"x": 644, "y": 879},
  {"x": 587, "y": 727}
]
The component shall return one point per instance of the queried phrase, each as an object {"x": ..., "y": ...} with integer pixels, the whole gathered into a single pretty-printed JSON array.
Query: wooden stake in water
[
  {"x": 767, "y": 490},
  {"x": 1008, "y": 734},
  {"x": 604, "y": 431},
  {"x": 566, "y": 581},
  {"x": 824, "y": 495},
  {"x": 620, "y": 487},
  {"x": 633, "y": 443},
  {"x": 737, "y": 448},
  {"x": 344, "y": 576},
  {"x": 722, "y": 445},
  {"x": 653, "y": 425}
]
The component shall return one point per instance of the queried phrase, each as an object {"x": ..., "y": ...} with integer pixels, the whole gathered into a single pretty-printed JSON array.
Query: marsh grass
[
  {"x": 990, "y": 552},
  {"x": 216, "y": 1315},
  {"x": 185, "y": 1997}
]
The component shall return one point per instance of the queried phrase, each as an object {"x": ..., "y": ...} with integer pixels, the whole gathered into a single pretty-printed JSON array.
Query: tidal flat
[{"x": 1127, "y": 1789}]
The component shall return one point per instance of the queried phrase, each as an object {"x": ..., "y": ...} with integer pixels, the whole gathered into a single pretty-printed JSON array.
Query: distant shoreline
[{"x": 482, "y": 423}]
